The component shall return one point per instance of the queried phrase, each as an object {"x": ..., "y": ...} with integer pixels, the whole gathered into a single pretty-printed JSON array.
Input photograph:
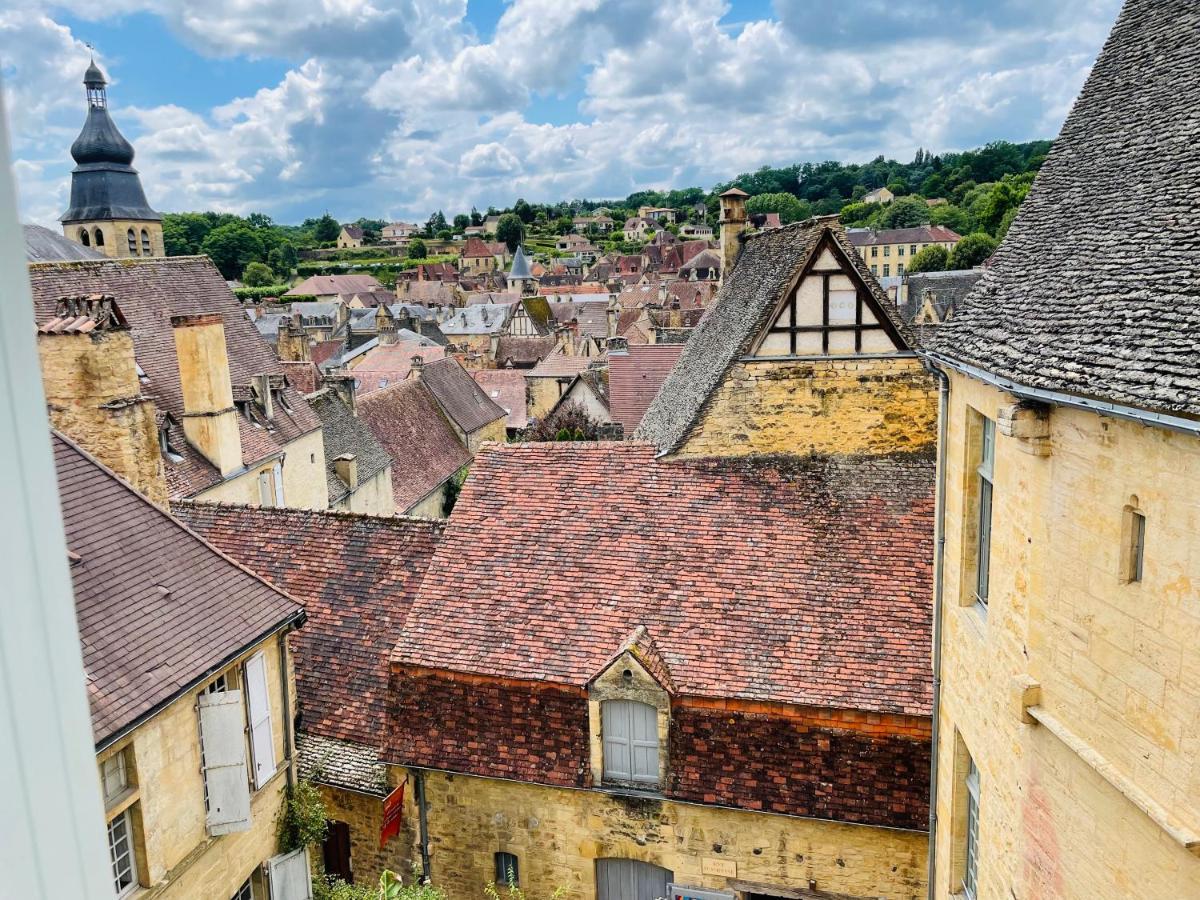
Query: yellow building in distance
[
  {"x": 1068, "y": 722},
  {"x": 888, "y": 251}
]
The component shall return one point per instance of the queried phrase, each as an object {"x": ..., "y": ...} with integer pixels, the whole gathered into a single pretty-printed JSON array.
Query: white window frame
[
  {"x": 985, "y": 487},
  {"x": 118, "y": 766},
  {"x": 258, "y": 719},
  {"x": 970, "y": 885},
  {"x": 124, "y": 822},
  {"x": 246, "y": 891}
]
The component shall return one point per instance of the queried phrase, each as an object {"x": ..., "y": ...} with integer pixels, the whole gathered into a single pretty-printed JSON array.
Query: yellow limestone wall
[
  {"x": 304, "y": 483},
  {"x": 493, "y": 431},
  {"x": 176, "y": 857},
  {"x": 851, "y": 405},
  {"x": 1118, "y": 663},
  {"x": 116, "y": 237},
  {"x": 559, "y": 833},
  {"x": 373, "y": 497},
  {"x": 543, "y": 392}
]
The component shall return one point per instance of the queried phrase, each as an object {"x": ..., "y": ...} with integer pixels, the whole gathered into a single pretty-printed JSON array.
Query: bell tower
[{"x": 108, "y": 210}]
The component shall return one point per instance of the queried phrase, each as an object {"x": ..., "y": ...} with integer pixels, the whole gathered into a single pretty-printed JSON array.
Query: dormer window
[
  {"x": 630, "y": 738},
  {"x": 165, "y": 446}
]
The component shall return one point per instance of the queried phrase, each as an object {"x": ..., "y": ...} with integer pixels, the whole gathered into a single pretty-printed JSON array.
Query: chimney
[
  {"x": 263, "y": 396},
  {"x": 618, "y": 346},
  {"x": 418, "y": 365},
  {"x": 346, "y": 467},
  {"x": 94, "y": 393},
  {"x": 612, "y": 311},
  {"x": 292, "y": 343},
  {"x": 662, "y": 292},
  {"x": 385, "y": 326},
  {"x": 209, "y": 419},
  {"x": 732, "y": 223},
  {"x": 343, "y": 385},
  {"x": 675, "y": 317}
]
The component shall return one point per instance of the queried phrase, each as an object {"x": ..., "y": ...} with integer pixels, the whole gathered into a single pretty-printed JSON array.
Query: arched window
[
  {"x": 84, "y": 238},
  {"x": 99, "y": 241},
  {"x": 145, "y": 242},
  {"x": 630, "y": 736},
  {"x": 132, "y": 242}
]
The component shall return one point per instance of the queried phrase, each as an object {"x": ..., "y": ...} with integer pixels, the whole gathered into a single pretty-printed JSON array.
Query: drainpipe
[
  {"x": 939, "y": 558},
  {"x": 423, "y": 819},
  {"x": 287, "y": 709}
]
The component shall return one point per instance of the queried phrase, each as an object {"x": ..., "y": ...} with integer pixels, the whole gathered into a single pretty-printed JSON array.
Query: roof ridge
[{"x": 281, "y": 511}]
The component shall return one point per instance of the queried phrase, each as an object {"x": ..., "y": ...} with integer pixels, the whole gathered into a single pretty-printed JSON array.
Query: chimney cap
[
  {"x": 735, "y": 192},
  {"x": 193, "y": 321}
]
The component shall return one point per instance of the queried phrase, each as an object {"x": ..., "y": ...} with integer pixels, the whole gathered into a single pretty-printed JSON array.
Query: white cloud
[{"x": 396, "y": 109}]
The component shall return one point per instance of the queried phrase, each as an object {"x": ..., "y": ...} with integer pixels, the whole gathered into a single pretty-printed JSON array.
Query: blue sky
[{"x": 395, "y": 108}]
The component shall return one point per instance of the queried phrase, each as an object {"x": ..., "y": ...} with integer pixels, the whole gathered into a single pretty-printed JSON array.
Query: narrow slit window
[
  {"x": 1135, "y": 549},
  {"x": 132, "y": 239},
  {"x": 985, "y": 471},
  {"x": 971, "y": 872}
]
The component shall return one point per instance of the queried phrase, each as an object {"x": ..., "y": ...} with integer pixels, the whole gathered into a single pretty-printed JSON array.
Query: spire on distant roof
[{"x": 520, "y": 265}]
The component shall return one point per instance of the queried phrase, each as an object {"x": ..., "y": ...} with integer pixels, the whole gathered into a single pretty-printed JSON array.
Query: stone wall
[
  {"x": 116, "y": 237},
  {"x": 543, "y": 392},
  {"x": 1116, "y": 661},
  {"x": 851, "y": 405},
  {"x": 304, "y": 480}
]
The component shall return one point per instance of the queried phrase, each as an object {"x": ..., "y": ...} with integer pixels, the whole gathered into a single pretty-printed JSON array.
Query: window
[
  {"x": 630, "y": 737},
  {"x": 874, "y": 251},
  {"x": 508, "y": 873},
  {"x": 132, "y": 238},
  {"x": 1135, "y": 543},
  {"x": 120, "y": 852},
  {"x": 900, "y": 269},
  {"x": 84, "y": 237},
  {"x": 985, "y": 472},
  {"x": 900, "y": 251},
  {"x": 245, "y": 892},
  {"x": 887, "y": 250},
  {"x": 223, "y": 761},
  {"x": 887, "y": 269},
  {"x": 971, "y": 869},
  {"x": 114, "y": 775},
  {"x": 912, "y": 250},
  {"x": 145, "y": 242},
  {"x": 99, "y": 241},
  {"x": 874, "y": 270},
  {"x": 218, "y": 685},
  {"x": 258, "y": 709}
]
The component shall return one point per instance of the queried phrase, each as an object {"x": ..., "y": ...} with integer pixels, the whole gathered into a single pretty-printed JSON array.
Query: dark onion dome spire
[{"x": 104, "y": 184}]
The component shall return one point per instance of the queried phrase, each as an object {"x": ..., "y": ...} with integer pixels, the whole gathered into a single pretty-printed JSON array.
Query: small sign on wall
[{"x": 726, "y": 868}]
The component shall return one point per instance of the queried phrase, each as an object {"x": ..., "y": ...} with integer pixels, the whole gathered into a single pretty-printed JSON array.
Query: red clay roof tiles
[{"x": 634, "y": 378}]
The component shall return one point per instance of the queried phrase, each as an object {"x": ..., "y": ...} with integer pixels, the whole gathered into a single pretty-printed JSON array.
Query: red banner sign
[{"x": 393, "y": 815}]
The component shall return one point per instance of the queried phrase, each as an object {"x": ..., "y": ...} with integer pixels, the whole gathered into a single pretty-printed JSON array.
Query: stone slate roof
[
  {"x": 559, "y": 365},
  {"x": 342, "y": 433},
  {"x": 1096, "y": 289},
  {"x": 524, "y": 350},
  {"x": 460, "y": 398},
  {"x": 354, "y": 232},
  {"x": 411, "y": 426},
  {"x": 356, "y": 576},
  {"x": 769, "y": 262},
  {"x": 947, "y": 288},
  {"x": 385, "y": 364},
  {"x": 159, "y": 610},
  {"x": 149, "y": 292},
  {"x": 341, "y": 764},
  {"x": 482, "y": 318},
  {"x": 44, "y": 245},
  {"x": 795, "y": 580}
]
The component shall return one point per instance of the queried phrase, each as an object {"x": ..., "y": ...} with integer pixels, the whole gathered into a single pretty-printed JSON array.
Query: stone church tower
[{"x": 108, "y": 206}]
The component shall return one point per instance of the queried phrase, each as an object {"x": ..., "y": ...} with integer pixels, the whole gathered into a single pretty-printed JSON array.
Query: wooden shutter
[
  {"x": 289, "y": 876},
  {"x": 277, "y": 481},
  {"x": 223, "y": 746},
  {"x": 266, "y": 493},
  {"x": 618, "y": 752},
  {"x": 336, "y": 851},
  {"x": 644, "y": 742},
  {"x": 258, "y": 707},
  {"x": 629, "y": 879}
]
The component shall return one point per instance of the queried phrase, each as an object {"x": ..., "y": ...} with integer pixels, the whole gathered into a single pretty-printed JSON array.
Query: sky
[{"x": 392, "y": 109}]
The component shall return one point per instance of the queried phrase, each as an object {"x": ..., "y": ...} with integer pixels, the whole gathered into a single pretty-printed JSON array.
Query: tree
[
  {"x": 232, "y": 247},
  {"x": 933, "y": 258},
  {"x": 570, "y": 422},
  {"x": 326, "y": 229},
  {"x": 523, "y": 211},
  {"x": 417, "y": 249},
  {"x": 258, "y": 275},
  {"x": 283, "y": 259},
  {"x": 972, "y": 250},
  {"x": 444, "y": 235},
  {"x": 462, "y": 222},
  {"x": 259, "y": 220},
  {"x": 790, "y": 208},
  {"x": 905, "y": 212},
  {"x": 511, "y": 231}
]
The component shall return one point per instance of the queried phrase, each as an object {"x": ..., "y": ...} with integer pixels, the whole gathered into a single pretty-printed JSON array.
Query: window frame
[
  {"x": 985, "y": 497},
  {"x": 125, "y": 818},
  {"x": 609, "y": 773},
  {"x": 970, "y": 881},
  {"x": 502, "y": 871},
  {"x": 122, "y": 763},
  {"x": 146, "y": 250},
  {"x": 131, "y": 237},
  {"x": 1133, "y": 544},
  {"x": 98, "y": 238}
]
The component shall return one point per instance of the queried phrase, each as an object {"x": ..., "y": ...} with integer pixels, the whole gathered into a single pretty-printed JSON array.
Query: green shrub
[
  {"x": 302, "y": 820},
  {"x": 258, "y": 293}
]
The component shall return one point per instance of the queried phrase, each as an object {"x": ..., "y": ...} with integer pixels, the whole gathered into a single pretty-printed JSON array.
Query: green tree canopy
[
  {"x": 461, "y": 222},
  {"x": 283, "y": 258},
  {"x": 417, "y": 249},
  {"x": 326, "y": 229},
  {"x": 933, "y": 258},
  {"x": 905, "y": 212},
  {"x": 972, "y": 250},
  {"x": 511, "y": 231},
  {"x": 257, "y": 274},
  {"x": 790, "y": 208},
  {"x": 232, "y": 247}
]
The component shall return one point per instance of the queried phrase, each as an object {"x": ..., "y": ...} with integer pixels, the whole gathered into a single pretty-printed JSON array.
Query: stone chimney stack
[
  {"x": 418, "y": 364},
  {"x": 209, "y": 418},
  {"x": 94, "y": 395},
  {"x": 618, "y": 346},
  {"x": 732, "y": 224},
  {"x": 343, "y": 385},
  {"x": 613, "y": 312},
  {"x": 385, "y": 325},
  {"x": 292, "y": 343},
  {"x": 346, "y": 467}
]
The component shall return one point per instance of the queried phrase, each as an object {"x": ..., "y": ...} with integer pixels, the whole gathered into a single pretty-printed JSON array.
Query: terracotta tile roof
[
  {"x": 356, "y": 576},
  {"x": 411, "y": 426},
  {"x": 460, "y": 398},
  {"x": 507, "y": 388},
  {"x": 634, "y": 378},
  {"x": 585, "y": 288},
  {"x": 344, "y": 433},
  {"x": 325, "y": 285},
  {"x": 796, "y": 580},
  {"x": 768, "y": 264},
  {"x": 558, "y": 365},
  {"x": 323, "y": 351},
  {"x": 158, "y": 608},
  {"x": 305, "y": 377},
  {"x": 592, "y": 318},
  {"x": 921, "y": 234},
  {"x": 149, "y": 292},
  {"x": 1095, "y": 291},
  {"x": 392, "y": 363},
  {"x": 475, "y": 249}
]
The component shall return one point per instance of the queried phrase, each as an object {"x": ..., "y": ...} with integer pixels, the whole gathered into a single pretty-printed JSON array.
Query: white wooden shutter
[
  {"x": 266, "y": 494},
  {"x": 223, "y": 745},
  {"x": 277, "y": 479},
  {"x": 290, "y": 876},
  {"x": 644, "y": 742},
  {"x": 258, "y": 707},
  {"x": 614, "y": 724}
]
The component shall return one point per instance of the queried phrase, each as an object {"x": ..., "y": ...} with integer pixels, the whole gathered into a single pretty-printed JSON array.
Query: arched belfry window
[
  {"x": 132, "y": 242},
  {"x": 84, "y": 238},
  {"x": 99, "y": 241},
  {"x": 145, "y": 242}
]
